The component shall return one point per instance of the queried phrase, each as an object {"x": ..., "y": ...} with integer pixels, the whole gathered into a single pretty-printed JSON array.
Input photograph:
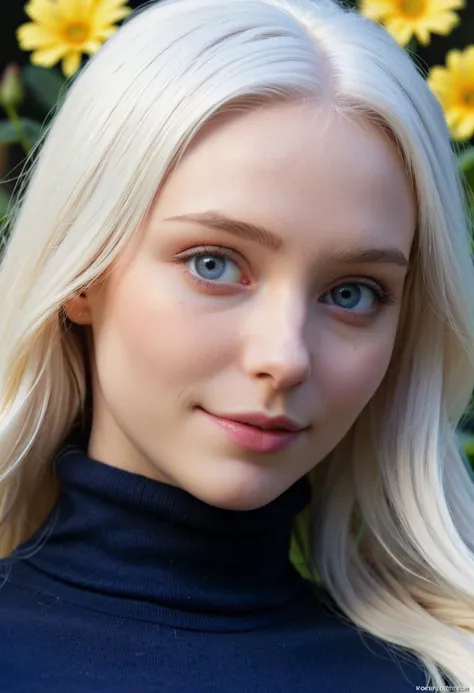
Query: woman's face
[{"x": 196, "y": 317}]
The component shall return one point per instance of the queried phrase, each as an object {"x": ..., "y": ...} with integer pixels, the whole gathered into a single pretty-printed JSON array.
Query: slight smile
[{"x": 253, "y": 437}]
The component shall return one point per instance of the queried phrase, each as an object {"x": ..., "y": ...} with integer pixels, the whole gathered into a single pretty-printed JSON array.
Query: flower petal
[
  {"x": 103, "y": 34},
  {"x": 433, "y": 17},
  {"x": 443, "y": 5},
  {"x": 44, "y": 12},
  {"x": 452, "y": 118},
  {"x": 72, "y": 10},
  {"x": 31, "y": 36},
  {"x": 91, "y": 47},
  {"x": 106, "y": 5},
  {"x": 71, "y": 63},
  {"x": 375, "y": 9},
  {"x": 50, "y": 56},
  {"x": 118, "y": 14},
  {"x": 468, "y": 60},
  {"x": 454, "y": 60},
  {"x": 423, "y": 35},
  {"x": 401, "y": 31},
  {"x": 104, "y": 18},
  {"x": 463, "y": 130},
  {"x": 465, "y": 127},
  {"x": 443, "y": 23},
  {"x": 439, "y": 79}
]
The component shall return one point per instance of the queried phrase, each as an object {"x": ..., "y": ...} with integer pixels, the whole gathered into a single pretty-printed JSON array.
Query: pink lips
[{"x": 252, "y": 437}]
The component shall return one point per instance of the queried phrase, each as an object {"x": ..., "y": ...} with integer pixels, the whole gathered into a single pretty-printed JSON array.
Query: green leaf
[
  {"x": 30, "y": 128},
  {"x": 45, "y": 85},
  {"x": 466, "y": 162},
  {"x": 8, "y": 134},
  {"x": 4, "y": 200}
]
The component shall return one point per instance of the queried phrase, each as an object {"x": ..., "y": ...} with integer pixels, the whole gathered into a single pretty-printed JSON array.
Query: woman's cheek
[{"x": 353, "y": 378}]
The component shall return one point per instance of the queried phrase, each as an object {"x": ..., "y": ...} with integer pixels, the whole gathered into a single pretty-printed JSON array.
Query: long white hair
[{"x": 399, "y": 474}]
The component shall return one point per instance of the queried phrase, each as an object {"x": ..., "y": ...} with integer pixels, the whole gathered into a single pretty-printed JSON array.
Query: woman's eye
[
  {"x": 214, "y": 267},
  {"x": 360, "y": 295}
]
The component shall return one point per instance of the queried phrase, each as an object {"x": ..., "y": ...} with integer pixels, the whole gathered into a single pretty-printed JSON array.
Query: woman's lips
[{"x": 252, "y": 437}]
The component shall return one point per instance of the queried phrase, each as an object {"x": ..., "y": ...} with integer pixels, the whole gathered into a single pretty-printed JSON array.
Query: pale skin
[{"x": 269, "y": 331}]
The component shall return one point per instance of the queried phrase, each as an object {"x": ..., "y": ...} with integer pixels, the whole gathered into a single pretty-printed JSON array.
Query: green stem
[{"x": 12, "y": 114}]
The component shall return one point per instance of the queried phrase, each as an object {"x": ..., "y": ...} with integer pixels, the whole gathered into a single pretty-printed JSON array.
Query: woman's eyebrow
[{"x": 272, "y": 241}]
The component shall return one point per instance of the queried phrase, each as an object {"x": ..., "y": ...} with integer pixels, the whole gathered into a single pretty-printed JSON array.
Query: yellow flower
[
  {"x": 404, "y": 19},
  {"x": 454, "y": 87},
  {"x": 65, "y": 29}
]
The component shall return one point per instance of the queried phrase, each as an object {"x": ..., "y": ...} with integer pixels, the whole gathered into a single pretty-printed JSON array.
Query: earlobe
[{"x": 77, "y": 310}]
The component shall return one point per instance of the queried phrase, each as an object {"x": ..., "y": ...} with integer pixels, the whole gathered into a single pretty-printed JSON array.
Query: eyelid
[
  {"x": 213, "y": 249},
  {"x": 206, "y": 248}
]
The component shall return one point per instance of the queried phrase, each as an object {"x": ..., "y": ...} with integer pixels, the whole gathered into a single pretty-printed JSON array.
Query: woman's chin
[{"x": 243, "y": 489}]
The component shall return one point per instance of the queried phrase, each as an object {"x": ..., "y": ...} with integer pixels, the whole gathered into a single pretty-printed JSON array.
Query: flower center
[
  {"x": 413, "y": 8},
  {"x": 469, "y": 98},
  {"x": 78, "y": 32}
]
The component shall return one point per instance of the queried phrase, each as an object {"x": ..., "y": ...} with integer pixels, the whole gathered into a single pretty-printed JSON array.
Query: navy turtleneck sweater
[{"x": 135, "y": 586}]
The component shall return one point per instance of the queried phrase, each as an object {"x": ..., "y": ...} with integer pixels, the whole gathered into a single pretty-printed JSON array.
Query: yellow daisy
[
  {"x": 404, "y": 19},
  {"x": 454, "y": 87},
  {"x": 65, "y": 29}
]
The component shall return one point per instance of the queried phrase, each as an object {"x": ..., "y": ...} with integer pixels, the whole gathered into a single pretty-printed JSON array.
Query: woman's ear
[{"x": 77, "y": 309}]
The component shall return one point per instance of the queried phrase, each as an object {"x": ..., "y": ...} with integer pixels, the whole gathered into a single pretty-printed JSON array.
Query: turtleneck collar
[{"x": 148, "y": 549}]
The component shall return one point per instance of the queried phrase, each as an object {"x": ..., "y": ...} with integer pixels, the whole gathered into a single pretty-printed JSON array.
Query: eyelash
[{"x": 382, "y": 292}]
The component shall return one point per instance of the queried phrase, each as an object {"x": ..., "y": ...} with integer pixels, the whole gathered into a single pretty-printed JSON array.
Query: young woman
[{"x": 238, "y": 295}]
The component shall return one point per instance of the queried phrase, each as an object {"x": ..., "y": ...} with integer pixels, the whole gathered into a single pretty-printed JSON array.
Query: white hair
[{"x": 127, "y": 119}]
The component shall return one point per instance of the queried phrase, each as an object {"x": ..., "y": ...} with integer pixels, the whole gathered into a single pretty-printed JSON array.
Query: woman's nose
[{"x": 275, "y": 347}]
